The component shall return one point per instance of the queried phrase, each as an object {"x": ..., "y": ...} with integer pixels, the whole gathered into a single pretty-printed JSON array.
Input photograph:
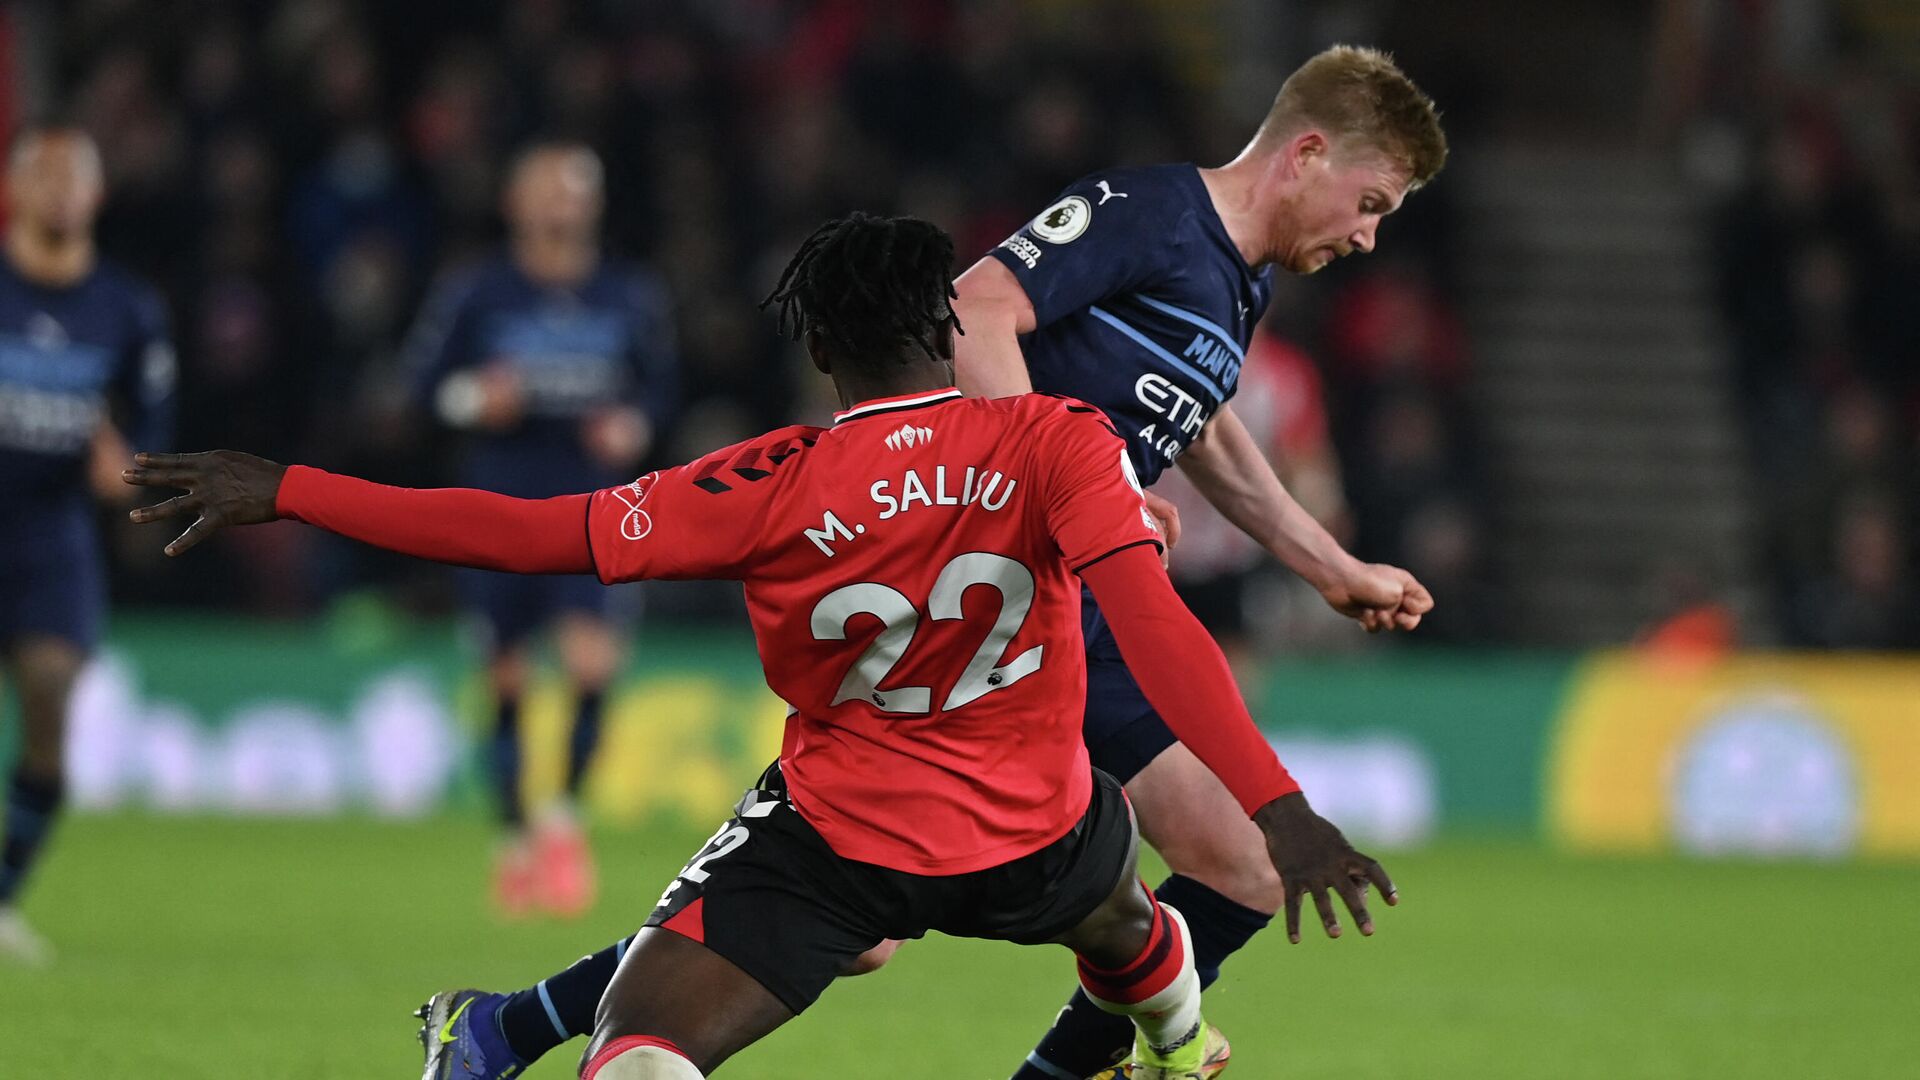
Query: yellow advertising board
[{"x": 1758, "y": 754}]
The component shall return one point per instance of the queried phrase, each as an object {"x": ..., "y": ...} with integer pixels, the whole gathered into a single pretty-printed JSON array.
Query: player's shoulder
[
  {"x": 1136, "y": 190},
  {"x": 1142, "y": 207},
  {"x": 112, "y": 276},
  {"x": 135, "y": 295},
  {"x": 629, "y": 273},
  {"x": 749, "y": 463},
  {"x": 1044, "y": 416},
  {"x": 632, "y": 284},
  {"x": 475, "y": 281}
]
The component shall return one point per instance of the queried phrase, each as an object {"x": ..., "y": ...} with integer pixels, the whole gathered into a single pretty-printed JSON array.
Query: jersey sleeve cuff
[{"x": 296, "y": 484}]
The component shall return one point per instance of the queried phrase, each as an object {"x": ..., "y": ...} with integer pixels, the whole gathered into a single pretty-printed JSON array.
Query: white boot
[{"x": 20, "y": 943}]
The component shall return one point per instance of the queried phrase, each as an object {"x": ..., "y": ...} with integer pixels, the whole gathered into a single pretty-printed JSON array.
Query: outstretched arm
[
  {"x": 1226, "y": 465},
  {"x": 451, "y": 525},
  {"x": 1187, "y": 680}
]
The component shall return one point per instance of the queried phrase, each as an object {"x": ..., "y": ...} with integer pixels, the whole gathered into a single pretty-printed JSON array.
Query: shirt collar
[{"x": 900, "y": 403}]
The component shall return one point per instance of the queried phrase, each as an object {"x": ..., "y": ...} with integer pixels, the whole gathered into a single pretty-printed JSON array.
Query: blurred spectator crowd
[
  {"x": 1817, "y": 251},
  {"x": 295, "y": 175}
]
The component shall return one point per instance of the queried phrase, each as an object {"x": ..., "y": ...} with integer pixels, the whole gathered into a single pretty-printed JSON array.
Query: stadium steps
[{"x": 1601, "y": 387}]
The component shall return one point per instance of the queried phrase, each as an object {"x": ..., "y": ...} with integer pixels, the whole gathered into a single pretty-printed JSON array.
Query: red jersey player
[{"x": 912, "y": 575}]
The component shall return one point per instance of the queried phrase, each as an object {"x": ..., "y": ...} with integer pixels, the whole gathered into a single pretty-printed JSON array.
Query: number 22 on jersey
[{"x": 899, "y": 619}]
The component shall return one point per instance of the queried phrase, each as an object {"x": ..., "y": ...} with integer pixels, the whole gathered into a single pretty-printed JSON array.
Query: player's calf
[{"x": 1157, "y": 989}]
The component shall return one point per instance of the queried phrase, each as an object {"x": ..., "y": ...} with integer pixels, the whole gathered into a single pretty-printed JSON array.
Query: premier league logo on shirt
[{"x": 1064, "y": 221}]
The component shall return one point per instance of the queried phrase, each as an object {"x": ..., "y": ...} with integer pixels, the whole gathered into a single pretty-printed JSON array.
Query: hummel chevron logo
[{"x": 909, "y": 436}]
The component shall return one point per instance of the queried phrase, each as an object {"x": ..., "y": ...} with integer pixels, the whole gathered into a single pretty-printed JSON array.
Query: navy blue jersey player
[
  {"x": 85, "y": 365},
  {"x": 559, "y": 364},
  {"x": 1138, "y": 291}
]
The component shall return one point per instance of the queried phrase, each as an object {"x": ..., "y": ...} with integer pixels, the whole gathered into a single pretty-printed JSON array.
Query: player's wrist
[
  {"x": 1281, "y": 815},
  {"x": 289, "y": 485}
]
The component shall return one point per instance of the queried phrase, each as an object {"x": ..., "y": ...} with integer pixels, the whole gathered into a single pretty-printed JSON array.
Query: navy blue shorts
[
  {"x": 513, "y": 607},
  {"x": 52, "y": 581},
  {"x": 1122, "y": 732}
]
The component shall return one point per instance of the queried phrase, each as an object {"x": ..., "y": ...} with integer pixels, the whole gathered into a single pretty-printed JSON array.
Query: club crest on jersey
[
  {"x": 637, "y": 523},
  {"x": 1064, "y": 221},
  {"x": 909, "y": 437}
]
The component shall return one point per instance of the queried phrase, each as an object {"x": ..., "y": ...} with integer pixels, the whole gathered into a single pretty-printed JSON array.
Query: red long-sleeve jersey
[{"x": 910, "y": 574}]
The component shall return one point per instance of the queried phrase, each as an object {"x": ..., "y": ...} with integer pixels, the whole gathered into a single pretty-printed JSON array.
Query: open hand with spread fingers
[
  {"x": 1314, "y": 859},
  {"x": 223, "y": 487}
]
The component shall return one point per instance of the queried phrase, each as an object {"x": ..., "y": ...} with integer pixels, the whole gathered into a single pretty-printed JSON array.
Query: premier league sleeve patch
[{"x": 1064, "y": 221}]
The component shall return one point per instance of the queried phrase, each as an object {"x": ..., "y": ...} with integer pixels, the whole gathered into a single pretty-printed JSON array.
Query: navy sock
[
  {"x": 560, "y": 1007},
  {"x": 32, "y": 804},
  {"x": 1084, "y": 1040},
  {"x": 1217, "y": 926},
  {"x": 586, "y": 737},
  {"x": 503, "y": 761}
]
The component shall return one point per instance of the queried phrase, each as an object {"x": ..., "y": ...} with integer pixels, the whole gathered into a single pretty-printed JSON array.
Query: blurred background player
[
  {"x": 559, "y": 364},
  {"x": 85, "y": 365}
]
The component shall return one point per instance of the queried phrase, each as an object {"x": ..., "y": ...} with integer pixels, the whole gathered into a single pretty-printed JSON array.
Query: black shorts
[{"x": 769, "y": 895}]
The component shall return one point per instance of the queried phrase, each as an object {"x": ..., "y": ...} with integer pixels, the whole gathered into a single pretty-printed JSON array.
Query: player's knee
[
  {"x": 589, "y": 652},
  {"x": 872, "y": 960},
  {"x": 1243, "y": 874},
  {"x": 507, "y": 674}
]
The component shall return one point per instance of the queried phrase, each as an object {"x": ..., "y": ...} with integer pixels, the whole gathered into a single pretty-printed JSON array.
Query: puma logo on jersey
[
  {"x": 909, "y": 437},
  {"x": 1107, "y": 193}
]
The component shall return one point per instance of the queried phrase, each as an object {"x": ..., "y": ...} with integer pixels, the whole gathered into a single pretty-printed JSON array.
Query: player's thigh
[
  {"x": 1199, "y": 828},
  {"x": 1113, "y": 934},
  {"x": 768, "y": 896},
  {"x": 1083, "y": 890},
  {"x": 671, "y": 987},
  {"x": 873, "y": 959},
  {"x": 503, "y": 611}
]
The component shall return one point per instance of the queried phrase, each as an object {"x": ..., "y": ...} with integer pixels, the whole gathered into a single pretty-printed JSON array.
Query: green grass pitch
[{"x": 198, "y": 948}]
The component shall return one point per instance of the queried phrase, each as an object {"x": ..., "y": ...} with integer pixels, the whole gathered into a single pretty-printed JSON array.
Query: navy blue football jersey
[
  {"x": 608, "y": 341},
  {"x": 1143, "y": 305},
  {"x": 71, "y": 358}
]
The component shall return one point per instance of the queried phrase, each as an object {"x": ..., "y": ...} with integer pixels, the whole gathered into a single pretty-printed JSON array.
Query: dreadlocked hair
[{"x": 871, "y": 286}]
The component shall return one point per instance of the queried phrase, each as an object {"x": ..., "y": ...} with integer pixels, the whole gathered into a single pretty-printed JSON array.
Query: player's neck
[
  {"x": 856, "y": 387},
  {"x": 55, "y": 260},
  {"x": 560, "y": 262},
  {"x": 1236, "y": 192}
]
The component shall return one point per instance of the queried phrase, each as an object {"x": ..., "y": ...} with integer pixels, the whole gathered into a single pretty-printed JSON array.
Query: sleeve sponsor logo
[
  {"x": 637, "y": 523},
  {"x": 1064, "y": 221},
  {"x": 1023, "y": 249}
]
